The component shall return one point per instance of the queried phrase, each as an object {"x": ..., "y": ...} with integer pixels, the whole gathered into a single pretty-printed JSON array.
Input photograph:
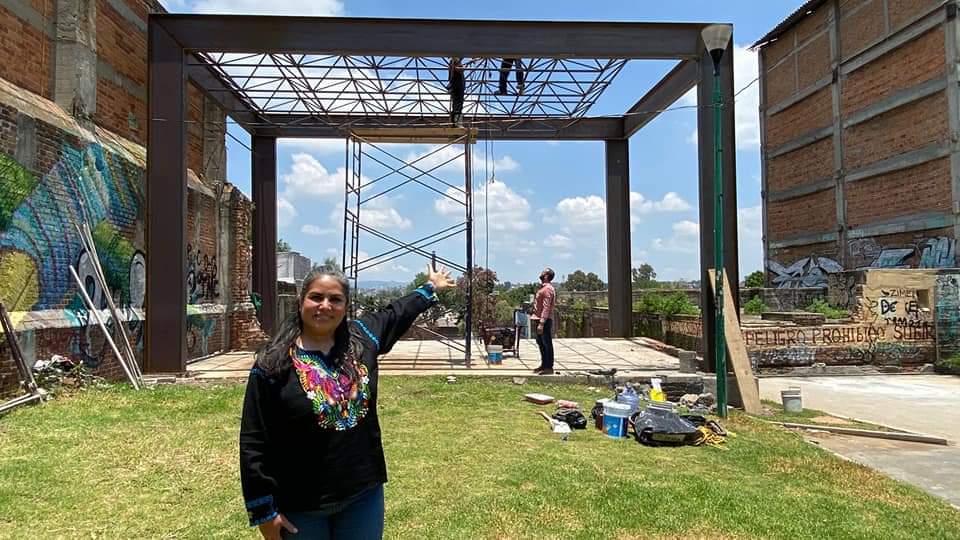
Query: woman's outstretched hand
[
  {"x": 441, "y": 278},
  {"x": 272, "y": 530}
]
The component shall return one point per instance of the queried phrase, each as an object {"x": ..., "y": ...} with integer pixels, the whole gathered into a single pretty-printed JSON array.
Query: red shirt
[{"x": 543, "y": 302}]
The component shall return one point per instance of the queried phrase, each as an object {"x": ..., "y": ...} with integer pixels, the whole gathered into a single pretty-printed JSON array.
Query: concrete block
[{"x": 688, "y": 361}]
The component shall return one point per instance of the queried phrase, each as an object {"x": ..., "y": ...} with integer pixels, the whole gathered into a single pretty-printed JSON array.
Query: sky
[{"x": 546, "y": 199}]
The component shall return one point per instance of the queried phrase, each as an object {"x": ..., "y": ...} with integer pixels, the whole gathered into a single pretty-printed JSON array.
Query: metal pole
[
  {"x": 719, "y": 342},
  {"x": 468, "y": 185}
]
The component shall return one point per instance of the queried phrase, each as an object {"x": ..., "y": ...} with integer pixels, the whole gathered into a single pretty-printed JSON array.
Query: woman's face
[{"x": 324, "y": 307}]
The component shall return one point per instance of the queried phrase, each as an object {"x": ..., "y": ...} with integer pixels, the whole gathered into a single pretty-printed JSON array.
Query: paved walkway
[
  {"x": 636, "y": 356},
  {"x": 926, "y": 404}
]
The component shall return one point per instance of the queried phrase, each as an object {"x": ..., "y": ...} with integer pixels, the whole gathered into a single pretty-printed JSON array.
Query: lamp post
[{"x": 716, "y": 37}]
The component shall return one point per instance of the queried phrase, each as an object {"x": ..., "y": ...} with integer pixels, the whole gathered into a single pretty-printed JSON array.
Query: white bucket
[
  {"x": 792, "y": 402},
  {"x": 495, "y": 354},
  {"x": 615, "y": 419}
]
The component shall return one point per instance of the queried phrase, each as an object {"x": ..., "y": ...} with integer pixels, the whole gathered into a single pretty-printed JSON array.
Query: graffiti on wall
[
  {"x": 202, "y": 281},
  {"x": 947, "y": 294},
  {"x": 39, "y": 241},
  {"x": 937, "y": 252},
  {"x": 809, "y": 271},
  {"x": 812, "y": 271}
]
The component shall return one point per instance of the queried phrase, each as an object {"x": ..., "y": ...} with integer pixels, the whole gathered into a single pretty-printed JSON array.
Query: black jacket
[{"x": 287, "y": 461}]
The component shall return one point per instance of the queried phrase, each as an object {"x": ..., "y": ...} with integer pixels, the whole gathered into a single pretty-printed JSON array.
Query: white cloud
[
  {"x": 276, "y": 7},
  {"x": 309, "y": 178},
  {"x": 686, "y": 228},
  {"x": 558, "y": 241},
  {"x": 285, "y": 212},
  {"x": 584, "y": 212},
  {"x": 747, "y": 113},
  {"x": 508, "y": 210},
  {"x": 685, "y": 239},
  {"x": 590, "y": 212},
  {"x": 671, "y": 202},
  {"x": 378, "y": 213},
  {"x": 325, "y": 147},
  {"x": 313, "y": 230}
]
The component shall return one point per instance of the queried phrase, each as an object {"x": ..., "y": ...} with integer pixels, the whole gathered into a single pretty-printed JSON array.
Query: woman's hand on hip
[
  {"x": 441, "y": 278},
  {"x": 271, "y": 530}
]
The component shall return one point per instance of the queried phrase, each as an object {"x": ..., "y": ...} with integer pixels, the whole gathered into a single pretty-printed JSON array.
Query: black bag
[
  {"x": 574, "y": 418},
  {"x": 655, "y": 426}
]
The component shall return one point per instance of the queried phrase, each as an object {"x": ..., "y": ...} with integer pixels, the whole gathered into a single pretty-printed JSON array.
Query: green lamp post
[{"x": 716, "y": 37}]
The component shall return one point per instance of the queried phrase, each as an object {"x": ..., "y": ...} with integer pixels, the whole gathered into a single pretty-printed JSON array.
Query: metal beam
[
  {"x": 264, "y": 182},
  {"x": 671, "y": 87},
  {"x": 619, "y": 288},
  {"x": 166, "y": 300},
  {"x": 707, "y": 147},
  {"x": 504, "y": 129},
  {"x": 433, "y": 37},
  {"x": 212, "y": 85}
]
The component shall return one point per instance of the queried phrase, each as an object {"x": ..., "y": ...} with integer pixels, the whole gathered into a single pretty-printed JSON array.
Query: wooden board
[{"x": 736, "y": 349}]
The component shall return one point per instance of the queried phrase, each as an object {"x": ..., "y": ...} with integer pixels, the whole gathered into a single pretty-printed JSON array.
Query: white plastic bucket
[
  {"x": 495, "y": 354},
  {"x": 792, "y": 402},
  {"x": 615, "y": 419}
]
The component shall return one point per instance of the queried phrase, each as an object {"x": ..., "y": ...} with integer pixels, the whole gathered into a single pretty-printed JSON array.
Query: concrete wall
[
  {"x": 858, "y": 111},
  {"x": 901, "y": 320}
]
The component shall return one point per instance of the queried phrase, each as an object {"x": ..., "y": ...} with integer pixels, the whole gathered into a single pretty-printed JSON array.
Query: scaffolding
[{"x": 399, "y": 172}]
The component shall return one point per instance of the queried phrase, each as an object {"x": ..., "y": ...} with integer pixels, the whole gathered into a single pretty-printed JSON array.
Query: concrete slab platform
[
  {"x": 925, "y": 404},
  {"x": 934, "y": 469},
  {"x": 628, "y": 355}
]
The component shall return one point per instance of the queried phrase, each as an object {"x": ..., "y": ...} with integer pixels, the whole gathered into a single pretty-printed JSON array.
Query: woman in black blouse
[{"x": 311, "y": 459}]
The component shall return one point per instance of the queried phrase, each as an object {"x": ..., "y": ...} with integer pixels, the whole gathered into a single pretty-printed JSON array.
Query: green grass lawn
[{"x": 468, "y": 460}]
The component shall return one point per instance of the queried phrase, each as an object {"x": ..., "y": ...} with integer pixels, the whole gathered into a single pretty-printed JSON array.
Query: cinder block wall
[{"x": 858, "y": 114}]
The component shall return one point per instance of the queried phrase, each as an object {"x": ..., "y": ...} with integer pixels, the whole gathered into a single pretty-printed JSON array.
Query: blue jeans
[{"x": 360, "y": 518}]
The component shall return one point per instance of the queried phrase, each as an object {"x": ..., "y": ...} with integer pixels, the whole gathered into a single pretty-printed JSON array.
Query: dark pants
[
  {"x": 505, "y": 66},
  {"x": 545, "y": 342},
  {"x": 358, "y": 519}
]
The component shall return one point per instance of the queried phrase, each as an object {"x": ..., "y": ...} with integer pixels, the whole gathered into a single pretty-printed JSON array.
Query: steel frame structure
[
  {"x": 270, "y": 75},
  {"x": 355, "y": 197}
]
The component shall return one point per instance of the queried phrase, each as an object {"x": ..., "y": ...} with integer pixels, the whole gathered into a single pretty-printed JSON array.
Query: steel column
[
  {"x": 619, "y": 288},
  {"x": 468, "y": 188},
  {"x": 166, "y": 296},
  {"x": 264, "y": 181},
  {"x": 707, "y": 151}
]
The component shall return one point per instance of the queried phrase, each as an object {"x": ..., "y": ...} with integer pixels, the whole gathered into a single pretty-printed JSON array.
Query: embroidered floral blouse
[{"x": 309, "y": 436}]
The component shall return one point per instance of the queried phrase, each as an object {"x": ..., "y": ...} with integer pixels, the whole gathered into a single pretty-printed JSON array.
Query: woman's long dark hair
[{"x": 274, "y": 356}]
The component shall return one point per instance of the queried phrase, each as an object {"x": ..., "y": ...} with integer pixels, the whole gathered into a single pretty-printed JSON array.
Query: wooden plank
[
  {"x": 891, "y": 435},
  {"x": 736, "y": 349}
]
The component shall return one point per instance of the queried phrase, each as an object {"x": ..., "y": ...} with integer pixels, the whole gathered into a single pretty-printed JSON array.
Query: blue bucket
[
  {"x": 495, "y": 354},
  {"x": 615, "y": 419}
]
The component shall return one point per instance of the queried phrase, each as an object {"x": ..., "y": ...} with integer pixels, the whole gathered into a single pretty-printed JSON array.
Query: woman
[{"x": 311, "y": 459}]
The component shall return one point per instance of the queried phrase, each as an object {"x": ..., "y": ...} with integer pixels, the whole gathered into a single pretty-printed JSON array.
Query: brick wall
[
  {"x": 813, "y": 213},
  {"x": 917, "y": 61},
  {"x": 800, "y": 167},
  {"x": 925, "y": 187},
  {"x": 26, "y": 55},
  {"x": 799, "y": 58},
  {"x": 901, "y": 130},
  {"x": 807, "y": 115}
]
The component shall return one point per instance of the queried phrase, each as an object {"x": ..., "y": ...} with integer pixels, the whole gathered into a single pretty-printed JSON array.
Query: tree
[
  {"x": 329, "y": 264},
  {"x": 282, "y": 246},
  {"x": 579, "y": 281},
  {"x": 755, "y": 279},
  {"x": 644, "y": 277}
]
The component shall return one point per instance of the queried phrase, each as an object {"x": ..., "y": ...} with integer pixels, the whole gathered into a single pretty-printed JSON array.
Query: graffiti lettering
[{"x": 888, "y": 307}]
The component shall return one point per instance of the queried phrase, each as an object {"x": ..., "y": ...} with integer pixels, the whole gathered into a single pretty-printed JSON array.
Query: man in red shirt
[{"x": 542, "y": 316}]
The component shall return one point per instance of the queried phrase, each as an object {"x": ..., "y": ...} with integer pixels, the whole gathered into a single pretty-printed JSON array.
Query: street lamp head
[{"x": 716, "y": 37}]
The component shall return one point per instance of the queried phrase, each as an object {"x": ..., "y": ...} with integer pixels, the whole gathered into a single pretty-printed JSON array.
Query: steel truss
[
  {"x": 375, "y": 86},
  {"x": 359, "y": 191}
]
